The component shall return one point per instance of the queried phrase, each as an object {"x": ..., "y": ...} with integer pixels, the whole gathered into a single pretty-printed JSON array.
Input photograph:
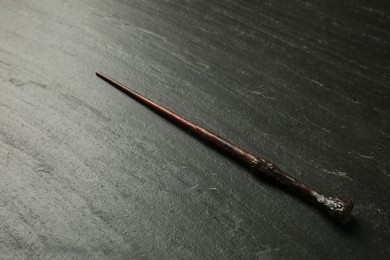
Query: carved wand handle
[{"x": 338, "y": 208}]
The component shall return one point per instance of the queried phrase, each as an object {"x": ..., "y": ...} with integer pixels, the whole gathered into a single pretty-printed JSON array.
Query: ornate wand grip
[{"x": 337, "y": 208}]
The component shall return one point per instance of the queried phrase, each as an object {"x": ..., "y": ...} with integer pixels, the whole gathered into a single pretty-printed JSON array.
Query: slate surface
[{"x": 87, "y": 172}]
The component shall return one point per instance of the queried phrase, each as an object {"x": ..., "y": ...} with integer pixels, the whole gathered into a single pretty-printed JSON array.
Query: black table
[{"x": 86, "y": 172}]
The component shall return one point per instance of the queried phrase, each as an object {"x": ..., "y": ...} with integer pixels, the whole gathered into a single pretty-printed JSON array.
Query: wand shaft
[{"x": 336, "y": 207}]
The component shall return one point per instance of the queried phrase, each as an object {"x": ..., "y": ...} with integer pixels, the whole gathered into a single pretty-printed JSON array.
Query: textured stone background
[{"x": 86, "y": 172}]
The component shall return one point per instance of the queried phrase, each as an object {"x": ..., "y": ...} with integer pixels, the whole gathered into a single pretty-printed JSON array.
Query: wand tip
[{"x": 100, "y": 75}]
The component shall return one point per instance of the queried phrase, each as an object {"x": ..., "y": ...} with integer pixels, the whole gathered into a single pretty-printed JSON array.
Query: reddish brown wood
[{"x": 339, "y": 208}]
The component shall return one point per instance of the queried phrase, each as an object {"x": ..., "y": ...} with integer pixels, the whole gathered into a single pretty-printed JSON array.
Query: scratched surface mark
[{"x": 87, "y": 173}]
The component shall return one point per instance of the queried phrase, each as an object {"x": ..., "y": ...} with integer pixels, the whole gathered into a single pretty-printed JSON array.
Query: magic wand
[{"x": 338, "y": 208}]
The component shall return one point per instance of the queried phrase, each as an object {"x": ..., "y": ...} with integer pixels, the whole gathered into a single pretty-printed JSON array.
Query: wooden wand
[{"x": 338, "y": 208}]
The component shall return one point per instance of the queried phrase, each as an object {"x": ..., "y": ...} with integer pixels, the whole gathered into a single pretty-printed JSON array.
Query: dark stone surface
[{"x": 87, "y": 172}]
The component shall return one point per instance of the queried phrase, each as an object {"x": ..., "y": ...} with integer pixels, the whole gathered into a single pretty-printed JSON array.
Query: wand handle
[{"x": 338, "y": 208}]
